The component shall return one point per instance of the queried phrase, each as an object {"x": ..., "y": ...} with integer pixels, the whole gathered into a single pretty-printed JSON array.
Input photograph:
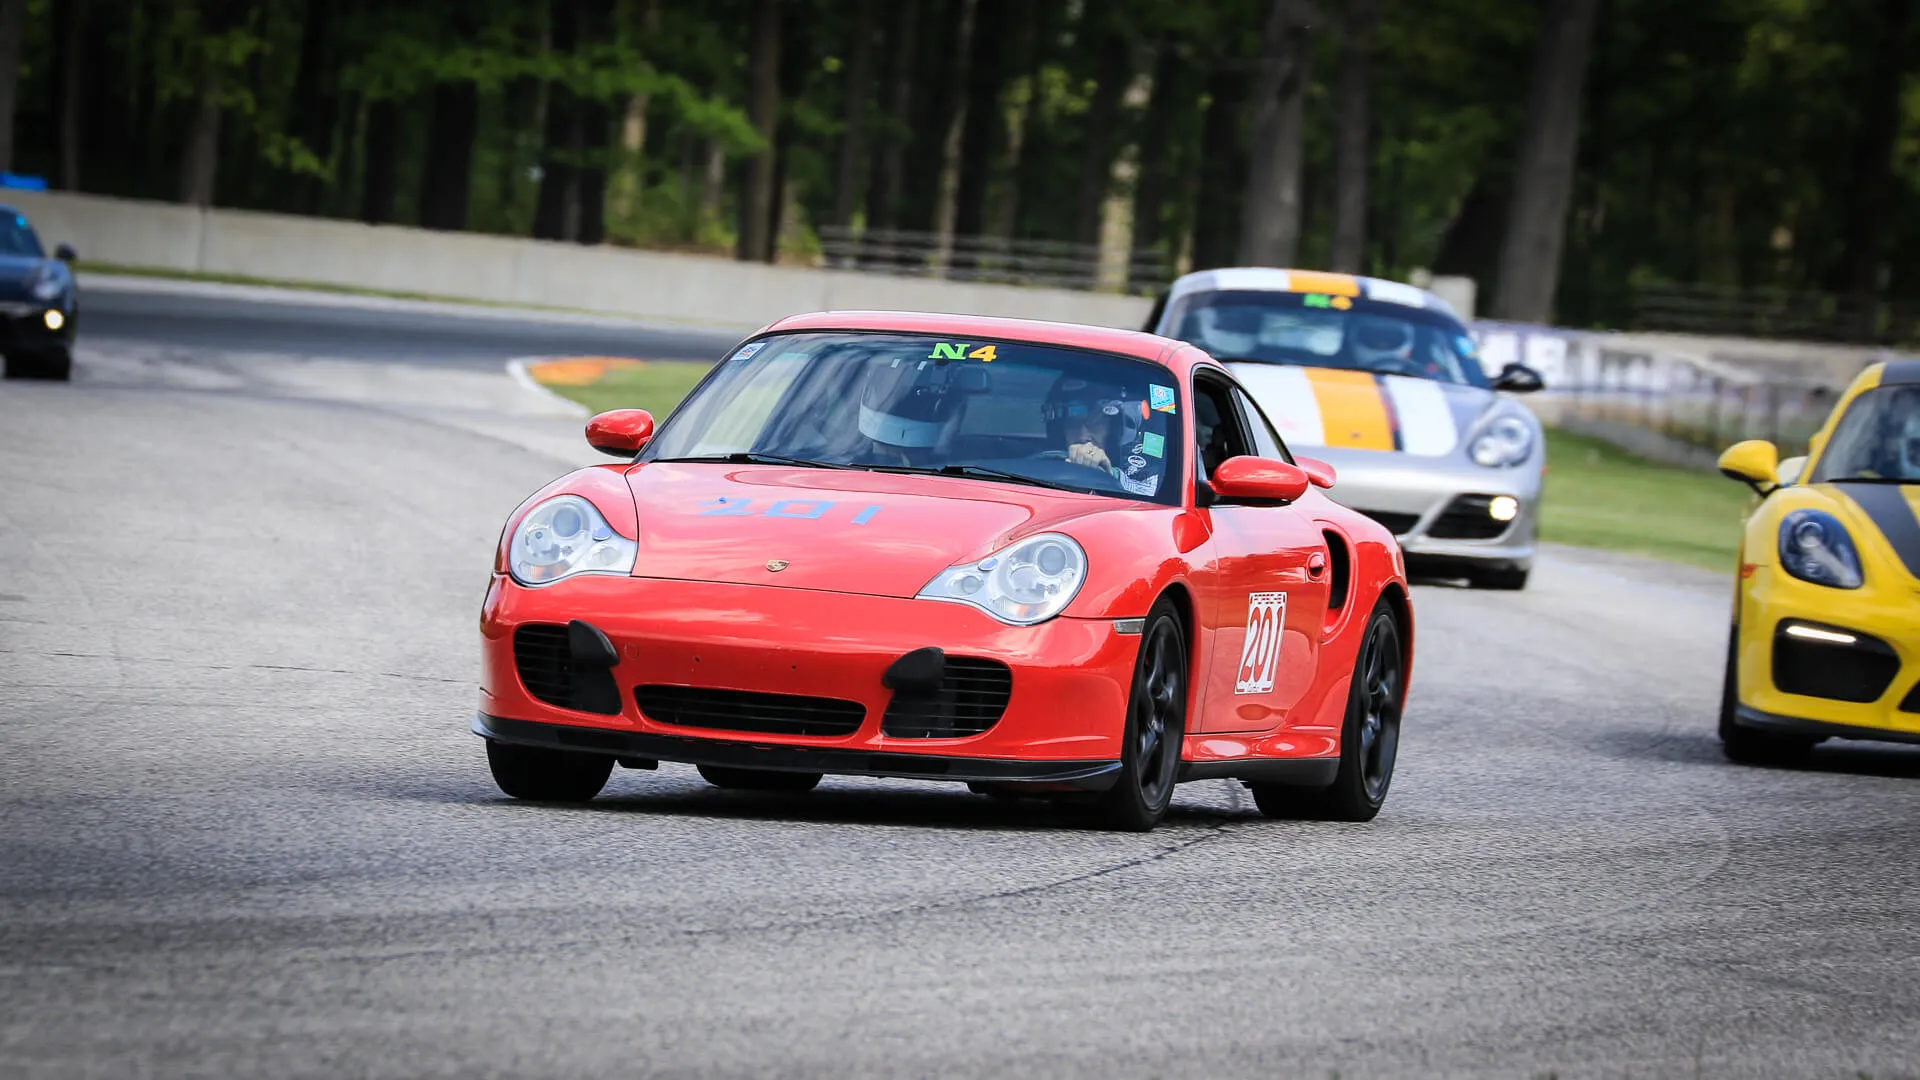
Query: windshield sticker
[
  {"x": 749, "y": 349},
  {"x": 1316, "y": 300},
  {"x": 957, "y": 350},
  {"x": 1153, "y": 444},
  {"x": 1260, "y": 655},
  {"x": 1160, "y": 398}
]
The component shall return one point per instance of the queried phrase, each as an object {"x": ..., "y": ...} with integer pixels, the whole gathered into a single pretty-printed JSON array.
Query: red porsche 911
[{"x": 1033, "y": 557}]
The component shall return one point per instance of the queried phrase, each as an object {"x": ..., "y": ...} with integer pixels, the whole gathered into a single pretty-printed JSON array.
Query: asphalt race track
[{"x": 245, "y": 832}]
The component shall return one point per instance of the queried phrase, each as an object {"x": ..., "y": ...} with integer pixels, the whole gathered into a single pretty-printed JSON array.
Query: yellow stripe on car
[{"x": 1353, "y": 413}]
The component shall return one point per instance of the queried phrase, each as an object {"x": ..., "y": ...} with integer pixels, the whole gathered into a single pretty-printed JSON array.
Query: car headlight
[
  {"x": 1027, "y": 582},
  {"x": 1815, "y": 547},
  {"x": 563, "y": 536},
  {"x": 1506, "y": 441},
  {"x": 48, "y": 287}
]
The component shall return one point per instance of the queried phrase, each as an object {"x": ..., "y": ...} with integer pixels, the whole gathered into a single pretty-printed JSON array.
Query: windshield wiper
[
  {"x": 980, "y": 472},
  {"x": 754, "y": 457},
  {"x": 1873, "y": 480}
]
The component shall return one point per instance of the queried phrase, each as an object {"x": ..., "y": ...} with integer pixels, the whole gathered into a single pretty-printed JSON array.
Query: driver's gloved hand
[{"x": 1090, "y": 455}]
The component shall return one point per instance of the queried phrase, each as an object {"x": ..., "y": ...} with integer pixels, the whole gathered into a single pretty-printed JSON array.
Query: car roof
[
  {"x": 1176, "y": 355},
  {"x": 1272, "y": 279}
]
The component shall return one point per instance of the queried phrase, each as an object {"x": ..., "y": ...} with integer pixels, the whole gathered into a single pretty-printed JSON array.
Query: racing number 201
[{"x": 799, "y": 509}]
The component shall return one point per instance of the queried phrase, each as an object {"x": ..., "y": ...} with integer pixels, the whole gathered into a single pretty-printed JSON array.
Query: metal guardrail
[
  {"x": 1053, "y": 263},
  {"x": 1775, "y": 313}
]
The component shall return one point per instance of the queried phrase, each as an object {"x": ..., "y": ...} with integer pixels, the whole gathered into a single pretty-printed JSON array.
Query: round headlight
[
  {"x": 47, "y": 288},
  {"x": 1506, "y": 441},
  {"x": 563, "y": 536},
  {"x": 1815, "y": 547},
  {"x": 1027, "y": 582}
]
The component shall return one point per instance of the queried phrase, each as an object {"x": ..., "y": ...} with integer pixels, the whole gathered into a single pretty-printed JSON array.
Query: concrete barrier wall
[{"x": 471, "y": 266}]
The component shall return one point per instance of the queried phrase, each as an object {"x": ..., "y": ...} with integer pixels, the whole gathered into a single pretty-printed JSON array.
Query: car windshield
[
  {"x": 1313, "y": 330},
  {"x": 1878, "y": 439},
  {"x": 994, "y": 410},
  {"x": 17, "y": 238}
]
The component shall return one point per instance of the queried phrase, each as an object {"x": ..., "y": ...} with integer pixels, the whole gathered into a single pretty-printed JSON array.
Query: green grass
[
  {"x": 1597, "y": 495},
  {"x": 657, "y": 388},
  {"x": 1600, "y": 496}
]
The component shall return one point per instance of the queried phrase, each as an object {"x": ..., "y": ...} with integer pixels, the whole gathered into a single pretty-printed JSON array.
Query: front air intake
[
  {"x": 749, "y": 710},
  {"x": 1825, "y": 662},
  {"x": 971, "y": 697},
  {"x": 543, "y": 655}
]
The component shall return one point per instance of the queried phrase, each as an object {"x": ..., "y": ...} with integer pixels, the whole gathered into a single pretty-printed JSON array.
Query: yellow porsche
[{"x": 1826, "y": 622}]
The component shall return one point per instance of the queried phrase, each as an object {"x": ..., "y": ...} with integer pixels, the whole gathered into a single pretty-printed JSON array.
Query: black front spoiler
[
  {"x": 779, "y": 757},
  {"x": 1819, "y": 729}
]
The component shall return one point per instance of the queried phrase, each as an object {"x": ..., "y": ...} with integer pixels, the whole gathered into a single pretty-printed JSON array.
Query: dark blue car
[{"x": 39, "y": 303}]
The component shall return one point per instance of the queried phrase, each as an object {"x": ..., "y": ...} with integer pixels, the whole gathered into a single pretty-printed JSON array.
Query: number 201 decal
[
  {"x": 798, "y": 509},
  {"x": 1260, "y": 656}
]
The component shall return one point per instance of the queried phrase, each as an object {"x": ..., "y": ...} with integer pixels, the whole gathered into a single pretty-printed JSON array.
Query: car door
[{"x": 1266, "y": 581}]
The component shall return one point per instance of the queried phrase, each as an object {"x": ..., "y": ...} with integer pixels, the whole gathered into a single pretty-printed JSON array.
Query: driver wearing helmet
[
  {"x": 1906, "y": 455},
  {"x": 1086, "y": 420},
  {"x": 909, "y": 407},
  {"x": 1383, "y": 344}
]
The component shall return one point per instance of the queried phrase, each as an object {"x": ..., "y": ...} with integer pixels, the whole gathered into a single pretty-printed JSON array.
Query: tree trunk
[
  {"x": 1543, "y": 183},
  {"x": 756, "y": 242},
  {"x": 1352, "y": 165},
  {"x": 12, "y": 26},
  {"x": 313, "y": 102},
  {"x": 1216, "y": 211},
  {"x": 1873, "y": 143},
  {"x": 1096, "y": 160},
  {"x": 200, "y": 158},
  {"x": 595, "y": 141},
  {"x": 380, "y": 175},
  {"x": 1170, "y": 90},
  {"x": 449, "y": 178},
  {"x": 1032, "y": 53},
  {"x": 943, "y": 60},
  {"x": 1270, "y": 223},
  {"x": 629, "y": 176},
  {"x": 70, "y": 23},
  {"x": 556, "y": 214},
  {"x": 850, "y": 175},
  {"x": 985, "y": 125},
  {"x": 889, "y": 176}
]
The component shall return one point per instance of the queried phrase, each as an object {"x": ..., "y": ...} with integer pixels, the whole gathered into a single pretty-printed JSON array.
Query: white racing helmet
[
  {"x": 914, "y": 404},
  {"x": 1381, "y": 341}
]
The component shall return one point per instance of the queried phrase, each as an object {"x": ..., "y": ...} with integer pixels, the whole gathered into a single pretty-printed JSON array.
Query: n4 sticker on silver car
[{"x": 1260, "y": 656}]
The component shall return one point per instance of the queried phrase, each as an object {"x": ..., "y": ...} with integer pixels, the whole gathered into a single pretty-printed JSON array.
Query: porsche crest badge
[{"x": 777, "y": 565}]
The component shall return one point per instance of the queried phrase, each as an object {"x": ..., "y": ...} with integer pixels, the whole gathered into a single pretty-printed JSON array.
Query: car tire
[
  {"x": 1506, "y": 580},
  {"x": 1745, "y": 745},
  {"x": 1369, "y": 737},
  {"x": 722, "y": 776},
  {"x": 1155, "y": 727},
  {"x": 52, "y": 365},
  {"x": 541, "y": 775}
]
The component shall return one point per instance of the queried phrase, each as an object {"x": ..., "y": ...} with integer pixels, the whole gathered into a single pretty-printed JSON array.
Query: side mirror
[
  {"x": 1518, "y": 379},
  {"x": 1259, "y": 480},
  {"x": 1319, "y": 473},
  {"x": 65, "y": 253},
  {"x": 621, "y": 432},
  {"x": 1754, "y": 463},
  {"x": 1790, "y": 470}
]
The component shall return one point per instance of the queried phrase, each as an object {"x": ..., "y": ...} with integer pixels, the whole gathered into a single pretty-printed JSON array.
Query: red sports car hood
[{"x": 881, "y": 534}]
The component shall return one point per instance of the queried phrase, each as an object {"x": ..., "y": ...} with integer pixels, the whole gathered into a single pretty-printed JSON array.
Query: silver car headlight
[
  {"x": 47, "y": 288},
  {"x": 563, "y": 536},
  {"x": 1026, "y": 582},
  {"x": 1506, "y": 441}
]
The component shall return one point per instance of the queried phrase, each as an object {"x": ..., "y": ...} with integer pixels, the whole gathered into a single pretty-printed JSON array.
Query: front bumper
[
  {"x": 1880, "y": 616},
  {"x": 1412, "y": 496},
  {"x": 1066, "y": 706},
  {"x": 23, "y": 325}
]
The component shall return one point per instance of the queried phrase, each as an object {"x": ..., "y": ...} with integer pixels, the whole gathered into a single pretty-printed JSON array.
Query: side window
[
  {"x": 1266, "y": 441},
  {"x": 1217, "y": 434}
]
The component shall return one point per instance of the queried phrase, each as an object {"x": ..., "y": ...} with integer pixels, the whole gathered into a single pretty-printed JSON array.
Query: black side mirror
[
  {"x": 1518, "y": 379},
  {"x": 65, "y": 253}
]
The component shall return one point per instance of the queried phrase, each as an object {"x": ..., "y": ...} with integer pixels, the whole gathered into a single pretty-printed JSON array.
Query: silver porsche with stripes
[{"x": 1382, "y": 381}]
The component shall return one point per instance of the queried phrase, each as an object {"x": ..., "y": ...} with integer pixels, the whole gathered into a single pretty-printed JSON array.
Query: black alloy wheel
[
  {"x": 1156, "y": 726},
  {"x": 542, "y": 775},
  {"x": 722, "y": 776},
  {"x": 1369, "y": 740},
  {"x": 1744, "y": 744}
]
